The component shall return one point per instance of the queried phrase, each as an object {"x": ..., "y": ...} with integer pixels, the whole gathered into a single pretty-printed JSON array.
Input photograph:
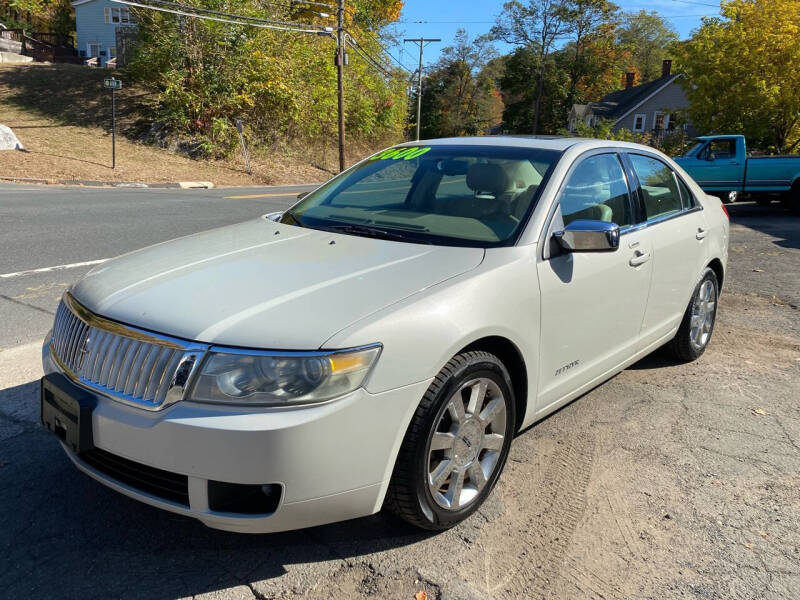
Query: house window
[
  {"x": 639, "y": 122},
  {"x": 112, "y": 51},
  {"x": 93, "y": 49},
  {"x": 116, "y": 15},
  {"x": 659, "y": 121}
]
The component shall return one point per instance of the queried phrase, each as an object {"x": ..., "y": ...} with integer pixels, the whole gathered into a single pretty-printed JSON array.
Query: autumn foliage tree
[
  {"x": 459, "y": 93},
  {"x": 743, "y": 74},
  {"x": 207, "y": 74}
]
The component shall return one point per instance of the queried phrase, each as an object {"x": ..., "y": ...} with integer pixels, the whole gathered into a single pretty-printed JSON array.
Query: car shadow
[
  {"x": 65, "y": 534},
  {"x": 773, "y": 220}
]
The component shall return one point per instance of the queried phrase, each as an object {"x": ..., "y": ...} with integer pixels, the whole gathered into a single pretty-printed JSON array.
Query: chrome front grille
[{"x": 119, "y": 361}]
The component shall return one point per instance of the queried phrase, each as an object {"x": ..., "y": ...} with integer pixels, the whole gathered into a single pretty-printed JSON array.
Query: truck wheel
[
  {"x": 794, "y": 199},
  {"x": 728, "y": 197}
]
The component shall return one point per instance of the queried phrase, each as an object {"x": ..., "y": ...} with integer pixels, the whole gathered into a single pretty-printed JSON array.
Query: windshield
[
  {"x": 695, "y": 147},
  {"x": 446, "y": 195}
]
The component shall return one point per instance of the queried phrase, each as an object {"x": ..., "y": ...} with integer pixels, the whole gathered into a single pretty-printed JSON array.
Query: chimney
[
  {"x": 666, "y": 68},
  {"x": 629, "y": 77}
]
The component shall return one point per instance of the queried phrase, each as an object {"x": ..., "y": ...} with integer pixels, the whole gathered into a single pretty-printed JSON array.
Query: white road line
[{"x": 86, "y": 263}]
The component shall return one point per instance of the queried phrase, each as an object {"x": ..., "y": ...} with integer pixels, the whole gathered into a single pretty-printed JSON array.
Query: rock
[{"x": 9, "y": 141}]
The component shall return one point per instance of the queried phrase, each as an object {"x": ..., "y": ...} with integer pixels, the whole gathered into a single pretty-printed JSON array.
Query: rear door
[
  {"x": 592, "y": 303},
  {"x": 677, "y": 231}
]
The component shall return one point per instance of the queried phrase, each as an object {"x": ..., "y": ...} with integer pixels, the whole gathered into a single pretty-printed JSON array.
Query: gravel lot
[{"x": 669, "y": 481}]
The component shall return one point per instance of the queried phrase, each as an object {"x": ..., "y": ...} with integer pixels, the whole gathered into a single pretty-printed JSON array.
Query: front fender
[{"x": 421, "y": 333}]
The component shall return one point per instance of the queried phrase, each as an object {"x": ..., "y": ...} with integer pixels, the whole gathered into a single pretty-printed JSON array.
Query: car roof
[
  {"x": 557, "y": 143},
  {"x": 508, "y": 141}
]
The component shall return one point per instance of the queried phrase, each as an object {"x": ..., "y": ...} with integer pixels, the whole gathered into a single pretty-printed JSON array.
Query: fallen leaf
[
  {"x": 762, "y": 533},
  {"x": 759, "y": 411},
  {"x": 747, "y": 545},
  {"x": 421, "y": 595},
  {"x": 758, "y": 270}
]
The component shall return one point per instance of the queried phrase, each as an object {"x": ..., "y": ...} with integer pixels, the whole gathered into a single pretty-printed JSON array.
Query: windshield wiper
[
  {"x": 294, "y": 220},
  {"x": 375, "y": 232}
]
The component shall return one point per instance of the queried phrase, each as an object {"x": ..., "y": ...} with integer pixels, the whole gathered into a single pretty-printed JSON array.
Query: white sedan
[{"x": 380, "y": 343}]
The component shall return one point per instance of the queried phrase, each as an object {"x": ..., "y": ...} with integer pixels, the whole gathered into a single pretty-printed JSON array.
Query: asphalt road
[
  {"x": 51, "y": 226},
  {"x": 669, "y": 481}
]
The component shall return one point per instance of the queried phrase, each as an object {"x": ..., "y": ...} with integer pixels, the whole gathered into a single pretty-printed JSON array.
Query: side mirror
[
  {"x": 584, "y": 235},
  {"x": 302, "y": 195}
]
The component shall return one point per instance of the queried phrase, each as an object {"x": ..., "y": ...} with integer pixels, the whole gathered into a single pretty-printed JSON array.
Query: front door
[
  {"x": 592, "y": 302},
  {"x": 717, "y": 166},
  {"x": 677, "y": 229}
]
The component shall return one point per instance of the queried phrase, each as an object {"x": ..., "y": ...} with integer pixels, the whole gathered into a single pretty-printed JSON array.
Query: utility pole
[
  {"x": 340, "y": 60},
  {"x": 421, "y": 42}
]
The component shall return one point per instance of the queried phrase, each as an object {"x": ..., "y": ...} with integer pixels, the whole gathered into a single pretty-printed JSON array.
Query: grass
[{"x": 62, "y": 115}]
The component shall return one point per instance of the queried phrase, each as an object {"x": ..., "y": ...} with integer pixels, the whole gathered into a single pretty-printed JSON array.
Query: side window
[
  {"x": 686, "y": 195},
  {"x": 720, "y": 149},
  {"x": 597, "y": 190},
  {"x": 659, "y": 186}
]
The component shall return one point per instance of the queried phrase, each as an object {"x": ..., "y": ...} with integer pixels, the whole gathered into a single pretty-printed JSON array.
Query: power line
[
  {"x": 233, "y": 19},
  {"x": 383, "y": 47},
  {"x": 371, "y": 60}
]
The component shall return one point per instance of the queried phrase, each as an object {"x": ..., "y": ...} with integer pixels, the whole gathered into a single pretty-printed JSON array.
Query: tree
[
  {"x": 519, "y": 96},
  {"x": 459, "y": 93},
  {"x": 592, "y": 25},
  {"x": 536, "y": 26},
  {"x": 742, "y": 72},
  {"x": 207, "y": 74},
  {"x": 648, "y": 37}
]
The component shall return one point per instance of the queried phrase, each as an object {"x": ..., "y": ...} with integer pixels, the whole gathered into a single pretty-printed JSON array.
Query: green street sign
[{"x": 112, "y": 84}]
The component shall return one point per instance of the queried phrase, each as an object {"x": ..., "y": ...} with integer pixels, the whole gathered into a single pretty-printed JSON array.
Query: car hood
[{"x": 262, "y": 284}]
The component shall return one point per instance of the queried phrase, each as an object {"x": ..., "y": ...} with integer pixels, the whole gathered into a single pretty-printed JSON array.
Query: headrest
[{"x": 488, "y": 177}]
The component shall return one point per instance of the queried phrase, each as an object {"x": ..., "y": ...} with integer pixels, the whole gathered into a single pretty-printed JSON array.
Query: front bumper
[{"x": 333, "y": 461}]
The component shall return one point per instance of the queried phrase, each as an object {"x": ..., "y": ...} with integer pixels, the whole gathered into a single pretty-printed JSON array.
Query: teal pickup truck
[{"x": 720, "y": 165}]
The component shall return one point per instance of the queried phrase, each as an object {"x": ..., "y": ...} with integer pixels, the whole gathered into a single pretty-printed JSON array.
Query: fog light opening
[{"x": 243, "y": 498}]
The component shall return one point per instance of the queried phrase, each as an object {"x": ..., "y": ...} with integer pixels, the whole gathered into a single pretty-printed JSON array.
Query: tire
[
  {"x": 690, "y": 343},
  {"x": 475, "y": 447},
  {"x": 794, "y": 199}
]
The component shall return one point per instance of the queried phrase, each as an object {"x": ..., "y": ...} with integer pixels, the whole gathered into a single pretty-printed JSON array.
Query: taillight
[{"x": 725, "y": 210}]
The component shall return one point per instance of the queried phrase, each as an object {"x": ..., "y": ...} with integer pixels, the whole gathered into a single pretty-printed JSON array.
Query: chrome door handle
[
  {"x": 639, "y": 258},
  {"x": 701, "y": 233}
]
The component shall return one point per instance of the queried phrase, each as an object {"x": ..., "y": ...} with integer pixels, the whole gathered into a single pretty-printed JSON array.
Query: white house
[{"x": 96, "y": 24}]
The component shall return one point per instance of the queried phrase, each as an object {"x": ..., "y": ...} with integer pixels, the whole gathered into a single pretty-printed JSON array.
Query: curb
[{"x": 184, "y": 185}]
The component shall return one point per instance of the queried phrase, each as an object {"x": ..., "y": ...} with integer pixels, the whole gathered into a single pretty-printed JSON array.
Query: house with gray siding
[
  {"x": 96, "y": 24},
  {"x": 650, "y": 107}
]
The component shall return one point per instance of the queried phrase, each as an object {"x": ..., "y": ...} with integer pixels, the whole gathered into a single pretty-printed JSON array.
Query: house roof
[{"x": 619, "y": 103}]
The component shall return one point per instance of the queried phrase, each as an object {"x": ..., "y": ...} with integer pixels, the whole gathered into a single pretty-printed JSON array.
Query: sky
[{"x": 442, "y": 18}]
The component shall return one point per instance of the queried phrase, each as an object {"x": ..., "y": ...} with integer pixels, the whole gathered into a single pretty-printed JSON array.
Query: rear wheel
[
  {"x": 794, "y": 199},
  {"x": 456, "y": 445},
  {"x": 697, "y": 326},
  {"x": 764, "y": 201}
]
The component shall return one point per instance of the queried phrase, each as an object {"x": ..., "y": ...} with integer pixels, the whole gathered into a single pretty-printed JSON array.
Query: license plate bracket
[{"x": 66, "y": 411}]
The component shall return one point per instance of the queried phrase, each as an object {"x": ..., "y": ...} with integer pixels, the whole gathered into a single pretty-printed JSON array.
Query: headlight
[{"x": 281, "y": 378}]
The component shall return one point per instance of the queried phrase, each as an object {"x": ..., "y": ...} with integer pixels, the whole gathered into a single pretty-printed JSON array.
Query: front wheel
[
  {"x": 697, "y": 326},
  {"x": 456, "y": 445}
]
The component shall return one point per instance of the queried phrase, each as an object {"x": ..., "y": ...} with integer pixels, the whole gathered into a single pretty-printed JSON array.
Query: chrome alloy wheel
[
  {"x": 703, "y": 313},
  {"x": 466, "y": 443}
]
